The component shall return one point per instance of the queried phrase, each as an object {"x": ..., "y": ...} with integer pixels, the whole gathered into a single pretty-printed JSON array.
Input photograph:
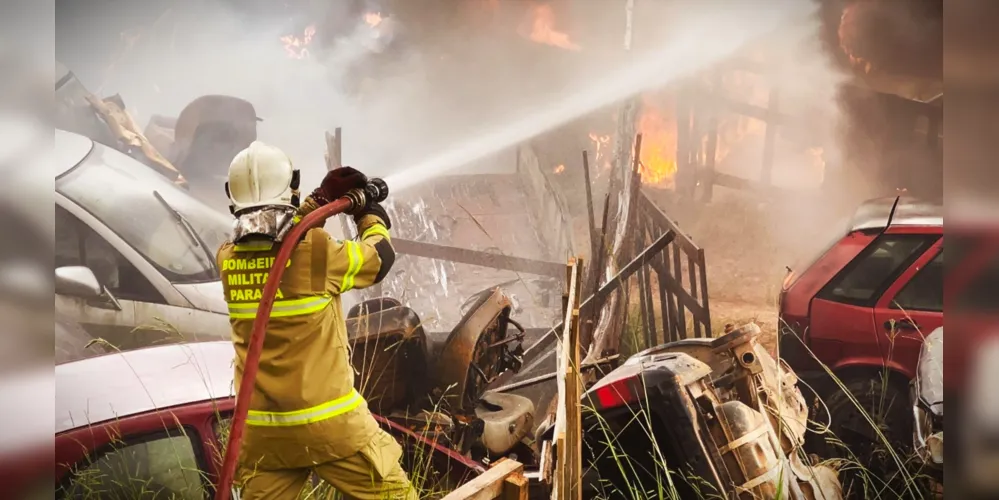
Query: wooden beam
[
  {"x": 589, "y": 206},
  {"x": 334, "y": 160},
  {"x": 477, "y": 258},
  {"x": 505, "y": 480},
  {"x": 571, "y": 451},
  {"x": 596, "y": 300}
]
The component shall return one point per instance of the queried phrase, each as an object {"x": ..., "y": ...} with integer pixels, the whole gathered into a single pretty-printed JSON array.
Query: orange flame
[
  {"x": 542, "y": 28},
  {"x": 559, "y": 169},
  {"x": 373, "y": 19},
  {"x": 295, "y": 46},
  {"x": 658, "y": 156}
]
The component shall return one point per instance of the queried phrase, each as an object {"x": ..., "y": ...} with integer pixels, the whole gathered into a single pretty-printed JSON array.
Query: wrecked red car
[
  {"x": 153, "y": 421},
  {"x": 862, "y": 309}
]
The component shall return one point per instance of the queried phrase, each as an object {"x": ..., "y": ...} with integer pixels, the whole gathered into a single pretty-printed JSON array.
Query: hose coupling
[{"x": 358, "y": 200}]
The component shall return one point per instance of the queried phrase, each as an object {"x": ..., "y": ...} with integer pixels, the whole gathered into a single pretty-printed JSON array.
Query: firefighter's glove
[
  {"x": 376, "y": 210},
  {"x": 337, "y": 183}
]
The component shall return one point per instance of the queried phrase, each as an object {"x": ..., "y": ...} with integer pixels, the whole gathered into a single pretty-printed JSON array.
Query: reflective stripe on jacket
[{"x": 305, "y": 408}]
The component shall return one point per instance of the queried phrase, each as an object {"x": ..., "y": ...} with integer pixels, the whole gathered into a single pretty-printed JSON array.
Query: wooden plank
[
  {"x": 477, "y": 258},
  {"x": 664, "y": 306},
  {"x": 492, "y": 484},
  {"x": 707, "y": 177},
  {"x": 568, "y": 417},
  {"x": 692, "y": 278},
  {"x": 684, "y": 141},
  {"x": 334, "y": 160},
  {"x": 664, "y": 223},
  {"x": 515, "y": 487},
  {"x": 653, "y": 331},
  {"x": 597, "y": 271},
  {"x": 702, "y": 268},
  {"x": 574, "y": 419},
  {"x": 337, "y": 151},
  {"x": 589, "y": 206},
  {"x": 668, "y": 283},
  {"x": 678, "y": 276},
  {"x": 648, "y": 322}
]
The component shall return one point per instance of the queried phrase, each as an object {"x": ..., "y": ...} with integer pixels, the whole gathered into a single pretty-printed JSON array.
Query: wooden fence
[{"x": 678, "y": 297}]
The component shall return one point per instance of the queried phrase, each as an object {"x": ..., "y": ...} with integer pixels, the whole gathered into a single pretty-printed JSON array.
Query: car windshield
[{"x": 122, "y": 193}]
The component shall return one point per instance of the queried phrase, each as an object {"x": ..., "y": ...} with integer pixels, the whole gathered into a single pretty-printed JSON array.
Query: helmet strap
[
  {"x": 232, "y": 207},
  {"x": 296, "y": 179}
]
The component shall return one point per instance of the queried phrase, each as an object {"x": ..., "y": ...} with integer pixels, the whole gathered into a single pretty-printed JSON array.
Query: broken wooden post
[
  {"x": 589, "y": 206},
  {"x": 568, "y": 416},
  {"x": 334, "y": 154},
  {"x": 334, "y": 160},
  {"x": 707, "y": 177},
  {"x": 504, "y": 480}
]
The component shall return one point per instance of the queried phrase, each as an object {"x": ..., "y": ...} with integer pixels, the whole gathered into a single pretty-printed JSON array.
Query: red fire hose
[{"x": 376, "y": 191}]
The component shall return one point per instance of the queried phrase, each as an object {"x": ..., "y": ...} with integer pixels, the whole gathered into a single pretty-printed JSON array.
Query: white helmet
[{"x": 261, "y": 175}]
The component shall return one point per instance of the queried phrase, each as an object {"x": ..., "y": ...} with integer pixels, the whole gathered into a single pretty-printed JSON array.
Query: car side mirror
[
  {"x": 80, "y": 281},
  {"x": 77, "y": 281}
]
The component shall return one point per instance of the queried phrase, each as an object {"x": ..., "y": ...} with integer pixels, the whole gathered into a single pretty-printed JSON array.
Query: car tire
[{"x": 850, "y": 436}]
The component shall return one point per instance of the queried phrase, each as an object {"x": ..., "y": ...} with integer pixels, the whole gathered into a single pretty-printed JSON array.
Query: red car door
[
  {"x": 843, "y": 327},
  {"x": 910, "y": 309}
]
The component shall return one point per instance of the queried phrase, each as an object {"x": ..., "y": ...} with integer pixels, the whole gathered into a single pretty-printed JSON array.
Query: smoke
[
  {"x": 432, "y": 78},
  {"x": 426, "y": 79}
]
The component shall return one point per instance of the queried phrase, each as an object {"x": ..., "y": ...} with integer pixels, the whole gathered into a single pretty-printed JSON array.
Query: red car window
[
  {"x": 164, "y": 465},
  {"x": 925, "y": 291},
  {"x": 864, "y": 279}
]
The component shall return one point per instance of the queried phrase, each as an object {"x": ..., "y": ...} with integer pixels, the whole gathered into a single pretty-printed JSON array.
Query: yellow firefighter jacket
[{"x": 305, "y": 409}]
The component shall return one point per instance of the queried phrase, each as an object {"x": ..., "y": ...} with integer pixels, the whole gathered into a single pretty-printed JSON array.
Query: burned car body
[
  {"x": 438, "y": 387},
  {"x": 723, "y": 407}
]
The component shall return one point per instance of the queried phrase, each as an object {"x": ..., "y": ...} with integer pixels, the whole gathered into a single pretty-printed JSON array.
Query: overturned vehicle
[{"x": 700, "y": 418}]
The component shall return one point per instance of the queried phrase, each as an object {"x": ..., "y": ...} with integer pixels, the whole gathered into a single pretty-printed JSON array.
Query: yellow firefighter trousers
[{"x": 374, "y": 473}]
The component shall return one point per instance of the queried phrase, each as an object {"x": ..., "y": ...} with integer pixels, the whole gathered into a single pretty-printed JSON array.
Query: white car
[{"x": 134, "y": 254}]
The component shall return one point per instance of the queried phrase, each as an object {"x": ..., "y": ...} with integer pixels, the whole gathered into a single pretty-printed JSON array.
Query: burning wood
[
  {"x": 540, "y": 28},
  {"x": 658, "y": 162},
  {"x": 295, "y": 46}
]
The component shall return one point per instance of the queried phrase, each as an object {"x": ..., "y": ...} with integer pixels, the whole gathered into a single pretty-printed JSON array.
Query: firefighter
[{"x": 305, "y": 414}]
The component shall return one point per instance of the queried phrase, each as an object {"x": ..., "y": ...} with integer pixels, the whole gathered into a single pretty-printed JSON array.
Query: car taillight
[{"x": 617, "y": 393}]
